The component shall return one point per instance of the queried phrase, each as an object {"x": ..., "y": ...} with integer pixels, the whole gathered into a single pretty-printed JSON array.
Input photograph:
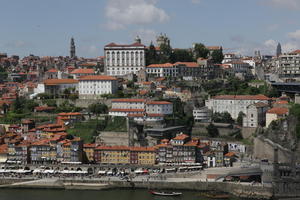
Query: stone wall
[
  {"x": 244, "y": 191},
  {"x": 264, "y": 149}
]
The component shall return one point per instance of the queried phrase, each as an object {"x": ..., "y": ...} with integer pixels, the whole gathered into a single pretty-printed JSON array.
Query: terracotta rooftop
[
  {"x": 69, "y": 114},
  {"x": 158, "y": 102},
  {"x": 97, "y": 78},
  {"x": 181, "y": 137},
  {"x": 83, "y": 71},
  {"x": 278, "y": 111},
  {"x": 165, "y": 65},
  {"x": 60, "y": 81},
  {"x": 230, "y": 154},
  {"x": 281, "y": 102},
  {"x": 52, "y": 70},
  {"x": 242, "y": 97},
  {"x": 187, "y": 64}
]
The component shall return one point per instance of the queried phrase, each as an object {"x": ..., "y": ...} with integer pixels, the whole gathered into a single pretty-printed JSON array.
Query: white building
[
  {"x": 255, "y": 115},
  {"x": 58, "y": 86},
  {"x": 289, "y": 65},
  {"x": 140, "y": 109},
  {"x": 91, "y": 87},
  {"x": 159, "y": 107},
  {"x": 202, "y": 114},
  {"x": 229, "y": 57},
  {"x": 124, "y": 59},
  {"x": 275, "y": 114},
  {"x": 162, "y": 70},
  {"x": 233, "y": 104}
]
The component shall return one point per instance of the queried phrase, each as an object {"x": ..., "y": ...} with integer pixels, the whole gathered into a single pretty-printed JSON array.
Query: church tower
[
  {"x": 138, "y": 40},
  {"x": 278, "y": 50},
  {"x": 72, "y": 48}
]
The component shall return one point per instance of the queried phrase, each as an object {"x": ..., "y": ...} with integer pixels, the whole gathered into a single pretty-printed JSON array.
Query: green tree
[
  {"x": 224, "y": 117},
  {"x": 212, "y": 130},
  {"x": 29, "y": 105},
  {"x": 217, "y": 56},
  {"x": 181, "y": 55},
  {"x": 240, "y": 118},
  {"x": 98, "y": 108},
  {"x": 166, "y": 52},
  {"x": 151, "y": 55},
  {"x": 18, "y": 105},
  {"x": 200, "y": 51}
]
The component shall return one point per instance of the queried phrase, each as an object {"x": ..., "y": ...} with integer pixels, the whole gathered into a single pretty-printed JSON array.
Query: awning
[
  {"x": 37, "y": 171},
  {"x": 48, "y": 171},
  {"x": 3, "y": 160}
]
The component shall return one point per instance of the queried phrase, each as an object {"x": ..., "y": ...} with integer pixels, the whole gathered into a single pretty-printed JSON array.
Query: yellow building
[
  {"x": 3, "y": 153},
  {"x": 112, "y": 154},
  {"x": 142, "y": 155},
  {"x": 89, "y": 152}
]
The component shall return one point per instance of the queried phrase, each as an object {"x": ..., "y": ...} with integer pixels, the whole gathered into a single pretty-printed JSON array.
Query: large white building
[
  {"x": 162, "y": 70},
  {"x": 141, "y": 109},
  {"x": 233, "y": 104},
  {"x": 289, "y": 65},
  {"x": 124, "y": 59},
  {"x": 93, "y": 86}
]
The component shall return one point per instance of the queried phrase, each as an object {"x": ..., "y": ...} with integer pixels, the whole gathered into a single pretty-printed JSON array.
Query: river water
[{"x": 117, "y": 194}]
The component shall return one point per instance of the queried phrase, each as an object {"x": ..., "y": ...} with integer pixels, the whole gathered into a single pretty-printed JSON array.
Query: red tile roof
[
  {"x": 60, "y": 81},
  {"x": 97, "y": 78},
  {"x": 242, "y": 97},
  {"x": 230, "y": 154},
  {"x": 52, "y": 70},
  {"x": 188, "y": 64},
  {"x": 281, "y": 102},
  {"x": 181, "y": 137},
  {"x": 158, "y": 102},
  {"x": 278, "y": 111},
  {"x": 165, "y": 65},
  {"x": 70, "y": 114},
  {"x": 296, "y": 51},
  {"x": 83, "y": 71}
]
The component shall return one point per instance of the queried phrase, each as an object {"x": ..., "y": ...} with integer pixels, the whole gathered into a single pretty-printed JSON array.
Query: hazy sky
[{"x": 44, "y": 27}]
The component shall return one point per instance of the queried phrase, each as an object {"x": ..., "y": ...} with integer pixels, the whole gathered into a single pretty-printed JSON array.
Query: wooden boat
[{"x": 165, "y": 193}]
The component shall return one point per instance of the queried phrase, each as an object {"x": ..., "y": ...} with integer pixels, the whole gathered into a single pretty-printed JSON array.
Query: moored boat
[{"x": 165, "y": 193}]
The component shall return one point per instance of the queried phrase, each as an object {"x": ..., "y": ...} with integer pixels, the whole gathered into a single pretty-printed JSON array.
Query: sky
[{"x": 45, "y": 27}]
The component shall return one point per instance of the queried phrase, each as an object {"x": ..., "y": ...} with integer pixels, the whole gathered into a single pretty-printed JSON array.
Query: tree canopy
[{"x": 200, "y": 51}]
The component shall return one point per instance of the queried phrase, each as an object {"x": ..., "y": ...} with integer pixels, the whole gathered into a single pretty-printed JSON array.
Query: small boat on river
[{"x": 165, "y": 193}]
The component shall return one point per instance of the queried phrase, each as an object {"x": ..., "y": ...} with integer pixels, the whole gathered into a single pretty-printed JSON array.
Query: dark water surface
[{"x": 122, "y": 194}]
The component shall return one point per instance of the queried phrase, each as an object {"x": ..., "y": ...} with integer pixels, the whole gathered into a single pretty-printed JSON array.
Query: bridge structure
[{"x": 293, "y": 87}]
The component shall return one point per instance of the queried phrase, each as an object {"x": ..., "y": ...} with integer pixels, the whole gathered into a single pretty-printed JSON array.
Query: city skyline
[{"x": 45, "y": 28}]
